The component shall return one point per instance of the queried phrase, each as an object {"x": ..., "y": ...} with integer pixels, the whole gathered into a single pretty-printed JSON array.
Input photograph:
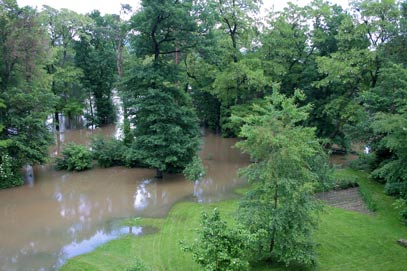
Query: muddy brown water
[{"x": 58, "y": 215}]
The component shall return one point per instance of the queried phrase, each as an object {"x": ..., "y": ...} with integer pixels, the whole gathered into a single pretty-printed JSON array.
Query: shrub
[
  {"x": 108, "y": 153},
  {"x": 9, "y": 176},
  {"x": 75, "y": 158},
  {"x": 365, "y": 161},
  {"x": 401, "y": 204},
  {"x": 218, "y": 247},
  {"x": 194, "y": 170},
  {"x": 344, "y": 183},
  {"x": 131, "y": 156}
]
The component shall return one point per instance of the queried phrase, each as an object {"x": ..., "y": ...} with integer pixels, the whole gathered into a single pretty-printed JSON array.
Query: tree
[
  {"x": 26, "y": 99},
  {"x": 63, "y": 28},
  {"x": 218, "y": 246},
  {"x": 166, "y": 131},
  {"x": 95, "y": 54},
  {"x": 280, "y": 211}
]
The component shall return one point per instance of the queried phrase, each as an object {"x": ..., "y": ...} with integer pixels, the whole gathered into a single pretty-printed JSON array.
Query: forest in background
[{"x": 180, "y": 64}]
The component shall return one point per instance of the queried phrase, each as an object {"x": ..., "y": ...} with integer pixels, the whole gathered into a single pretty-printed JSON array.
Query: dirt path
[{"x": 348, "y": 199}]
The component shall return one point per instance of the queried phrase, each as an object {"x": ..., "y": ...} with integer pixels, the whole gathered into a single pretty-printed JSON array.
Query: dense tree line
[{"x": 300, "y": 78}]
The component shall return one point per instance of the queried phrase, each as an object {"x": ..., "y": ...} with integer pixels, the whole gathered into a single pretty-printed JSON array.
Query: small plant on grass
[
  {"x": 138, "y": 266},
  {"x": 218, "y": 247},
  {"x": 75, "y": 158}
]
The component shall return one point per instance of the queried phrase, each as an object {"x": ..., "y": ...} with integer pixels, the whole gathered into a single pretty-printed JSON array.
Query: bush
[
  {"x": 75, "y": 158},
  {"x": 218, "y": 247},
  {"x": 343, "y": 183},
  {"x": 365, "y": 161},
  {"x": 9, "y": 176},
  {"x": 194, "y": 170},
  {"x": 108, "y": 153},
  {"x": 397, "y": 189},
  {"x": 131, "y": 156},
  {"x": 401, "y": 204}
]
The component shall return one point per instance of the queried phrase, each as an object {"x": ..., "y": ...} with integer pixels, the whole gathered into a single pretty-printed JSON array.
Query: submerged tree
[
  {"x": 63, "y": 28},
  {"x": 96, "y": 56},
  {"x": 25, "y": 96},
  {"x": 166, "y": 128},
  {"x": 280, "y": 211}
]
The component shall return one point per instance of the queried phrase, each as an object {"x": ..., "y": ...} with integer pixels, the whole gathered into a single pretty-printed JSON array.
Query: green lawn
[{"x": 348, "y": 240}]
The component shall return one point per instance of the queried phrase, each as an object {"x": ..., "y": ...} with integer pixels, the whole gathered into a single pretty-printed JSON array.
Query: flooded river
[{"x": 58, "y": 215}]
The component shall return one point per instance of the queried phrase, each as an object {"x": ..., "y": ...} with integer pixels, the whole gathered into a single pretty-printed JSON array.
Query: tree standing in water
[{"x": 166, "y": 128}]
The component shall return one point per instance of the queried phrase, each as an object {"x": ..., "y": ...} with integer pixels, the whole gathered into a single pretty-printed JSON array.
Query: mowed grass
[{"x": 347, "y": 240}]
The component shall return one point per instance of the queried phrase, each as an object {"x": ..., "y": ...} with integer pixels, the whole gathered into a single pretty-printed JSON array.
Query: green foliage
[
  {"x": 166, "y": 134},
  {"x": 165, "y": 125},
  {"x": 75, "y": 158},
  {"x": 195, "y": 170},
  {"x": 365, "y": 161},
  {"x": 280, "y": 210},
  {"x": 401, "y": 204},
  {"x": 25, "y": 97},
  {"x": 393, "y": 169},
  {"x": 164, "y": 27},
  {"x": 127, "y": 134},
  {"x": 9, "y": 176},
  {"x": 66, "y": 84},
  {"x": 341, "y": 183},
  {"x": 218, "y": 246},
  {"x": 108, "y": 153},
  {"x": 95, "y": 55}
]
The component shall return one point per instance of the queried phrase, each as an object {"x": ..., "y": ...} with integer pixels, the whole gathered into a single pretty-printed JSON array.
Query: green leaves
[
  {"x": 218, "y": 246},
  {"x": 195, "y": 170},
  {"x": 75, "y": 158},
  {"x": 280, "y": 209}
]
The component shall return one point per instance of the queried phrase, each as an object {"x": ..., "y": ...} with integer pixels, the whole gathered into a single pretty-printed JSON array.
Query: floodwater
[{"x": 58, "y": 215}]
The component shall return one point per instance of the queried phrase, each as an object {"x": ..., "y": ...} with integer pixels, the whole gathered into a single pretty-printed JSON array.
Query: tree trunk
[
  {"x": 56, "y": 119},
  {"x": 273, "y": 235},
  {"x": 159, "y": 174}
]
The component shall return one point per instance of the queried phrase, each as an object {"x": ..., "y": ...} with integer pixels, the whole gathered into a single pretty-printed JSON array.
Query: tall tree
[
  {"x": 24, "y": 89},
  {"x": 280, "y": 211},
  {"x": 96, "y": 56},
  {"x": 63, "y": 27},
  {"x": 166, "y": 131}
]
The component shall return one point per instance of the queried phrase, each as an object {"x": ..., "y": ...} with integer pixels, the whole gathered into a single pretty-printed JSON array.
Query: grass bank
[{"x": 348, "y": 240}]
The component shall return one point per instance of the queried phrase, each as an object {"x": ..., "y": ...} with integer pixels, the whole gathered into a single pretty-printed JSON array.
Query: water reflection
[
  {"x": 77, "y": 248},
  {"x": 61, "y": 214}
]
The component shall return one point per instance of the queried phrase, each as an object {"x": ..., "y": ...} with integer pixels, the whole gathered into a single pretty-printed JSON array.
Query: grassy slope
[{"x": 348, "y": 240}]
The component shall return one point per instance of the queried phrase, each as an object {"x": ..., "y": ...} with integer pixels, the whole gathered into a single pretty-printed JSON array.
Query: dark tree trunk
[
  {"x": 273, "y": 235},
  {"x": 159, "y": 174},
  {"x": 56, "y": 119}
]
